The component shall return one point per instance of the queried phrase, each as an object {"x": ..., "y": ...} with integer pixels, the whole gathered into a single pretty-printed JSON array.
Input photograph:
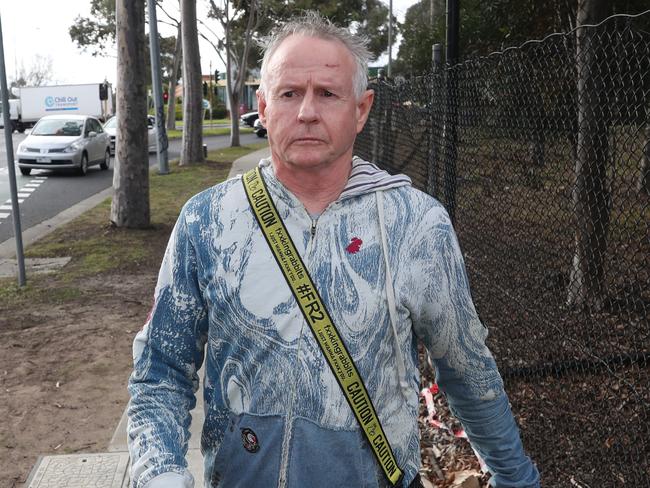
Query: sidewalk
[{"x": 111, "y": 469}]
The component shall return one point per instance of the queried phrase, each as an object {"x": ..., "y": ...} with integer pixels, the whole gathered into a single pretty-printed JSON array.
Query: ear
[
  {"x": 364, "y": 104},
  {"x": 261, "y": 106}
]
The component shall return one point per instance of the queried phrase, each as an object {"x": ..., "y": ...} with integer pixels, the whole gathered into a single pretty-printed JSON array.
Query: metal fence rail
[{"x": 541, "y": 154}]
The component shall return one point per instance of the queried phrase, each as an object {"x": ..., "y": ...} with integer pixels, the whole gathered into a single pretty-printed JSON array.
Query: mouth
[{"x": 308, "y": 140}]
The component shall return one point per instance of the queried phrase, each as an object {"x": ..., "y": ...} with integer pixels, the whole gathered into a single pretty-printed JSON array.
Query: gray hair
[{"x": 312, "y": 24}]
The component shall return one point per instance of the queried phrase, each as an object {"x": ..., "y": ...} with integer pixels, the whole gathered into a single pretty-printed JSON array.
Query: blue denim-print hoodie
[{"x": 275, "y": 415}]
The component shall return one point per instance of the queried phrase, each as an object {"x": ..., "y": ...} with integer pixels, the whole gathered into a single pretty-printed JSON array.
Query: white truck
[{"x": 34, "y": 102}]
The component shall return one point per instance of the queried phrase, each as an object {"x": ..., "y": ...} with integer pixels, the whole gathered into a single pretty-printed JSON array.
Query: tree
[
  {"x": 238, "y": 36},
  {"x": 487, "y": 27},
  {"x": 38, "y": 74},
  {"x": 591, "y": 197},
  {"x": 130, "y": 206},
  {"x": 644, "y": 176},
  {"x": 96, "y": 34},
  {"x": 172, "y": 69},
  {"x": 173, "y": 81},
  {"x": 192, "y": 145}
]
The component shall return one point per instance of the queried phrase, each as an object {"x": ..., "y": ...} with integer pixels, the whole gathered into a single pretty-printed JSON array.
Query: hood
[
  {"x": 365, "y": 177},
  {"x": 50, "y": 142}
]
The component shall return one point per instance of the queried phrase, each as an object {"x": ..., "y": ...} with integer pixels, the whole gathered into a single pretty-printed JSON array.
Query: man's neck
[{"x": 315, "y": 187}]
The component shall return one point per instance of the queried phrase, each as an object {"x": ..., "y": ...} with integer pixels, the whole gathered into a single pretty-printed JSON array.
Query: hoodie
[{"x": 387, "y": 264}]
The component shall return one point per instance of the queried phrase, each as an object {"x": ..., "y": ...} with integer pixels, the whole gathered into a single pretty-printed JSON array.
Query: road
[{"x": 44, "y": 193}]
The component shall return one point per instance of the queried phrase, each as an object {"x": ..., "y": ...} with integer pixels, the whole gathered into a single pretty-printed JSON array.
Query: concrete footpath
[{"x": 110, "y": 469}]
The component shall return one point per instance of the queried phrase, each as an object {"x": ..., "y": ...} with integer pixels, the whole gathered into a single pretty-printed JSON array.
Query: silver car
[
  {"x": 65, "y": 141},
  {"x": 111, "y": 129}
]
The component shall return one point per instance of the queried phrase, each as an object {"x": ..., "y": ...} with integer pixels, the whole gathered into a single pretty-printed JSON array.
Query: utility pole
[
  {"x": 154, "y": 48},
  {"x": 390, "y": 37},
  {"x": 451, "y": 107},
  {"x": 15, "y": 211}
]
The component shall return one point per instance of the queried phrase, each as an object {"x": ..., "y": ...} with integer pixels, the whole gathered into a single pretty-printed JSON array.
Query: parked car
[
  {"x": 65, "y": 141},
  {"x": 111, "y": 129},
  {"x": 259, "y": 129},
  {"x": 249, "y": 118}
]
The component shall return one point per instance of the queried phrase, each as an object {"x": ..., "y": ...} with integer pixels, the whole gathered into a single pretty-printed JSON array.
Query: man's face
[{"x": 309, "y": 108}]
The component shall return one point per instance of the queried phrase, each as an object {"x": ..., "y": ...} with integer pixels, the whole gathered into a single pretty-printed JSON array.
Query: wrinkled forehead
[{"x": 301, "y": 54}]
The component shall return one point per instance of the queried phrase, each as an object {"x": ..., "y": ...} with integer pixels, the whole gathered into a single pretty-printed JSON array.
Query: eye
[
  {"x": 327, "y": 93},
  {"x": 288, "y": 94}
]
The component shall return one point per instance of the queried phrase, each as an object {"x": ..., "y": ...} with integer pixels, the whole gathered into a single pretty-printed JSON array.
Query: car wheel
[
  {"x": 25, "y": 171},
  {"x": 107, "y": 160},
  {"x": 83, "y": 169}
]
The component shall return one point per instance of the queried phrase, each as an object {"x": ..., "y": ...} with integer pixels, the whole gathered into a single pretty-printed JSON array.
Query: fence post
[
  {"x": 434, "y": 137},
  {"x": 451, "y": 107},
  {"x": 376, "y": 120}
]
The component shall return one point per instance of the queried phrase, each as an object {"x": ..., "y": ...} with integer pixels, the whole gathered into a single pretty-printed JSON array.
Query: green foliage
[
  {"x": 219, "y": 111},
  {"x": 95, "y": 33},
  {"x": 365, "y": 17},
  {"x": 489, "y": 26}
]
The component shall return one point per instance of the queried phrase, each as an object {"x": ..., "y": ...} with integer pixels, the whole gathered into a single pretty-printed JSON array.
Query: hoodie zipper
[{"x": 313, "y": 228}]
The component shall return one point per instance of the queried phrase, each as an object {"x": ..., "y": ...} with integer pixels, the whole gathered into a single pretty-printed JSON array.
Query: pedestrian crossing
[{"x": 23, "y": 193}]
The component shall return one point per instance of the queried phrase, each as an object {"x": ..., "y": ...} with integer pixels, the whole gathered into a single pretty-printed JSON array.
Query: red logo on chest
[{"x": 354, "y": 246}]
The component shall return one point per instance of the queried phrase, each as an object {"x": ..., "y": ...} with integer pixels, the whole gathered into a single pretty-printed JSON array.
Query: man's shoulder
[
  {"x": 214, "y": 202},
  {"x": 419, "y": 204},
  {"x": 216, "y": 194}
]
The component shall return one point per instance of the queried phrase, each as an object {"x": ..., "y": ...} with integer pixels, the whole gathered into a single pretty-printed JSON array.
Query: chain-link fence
[{"x": 542, "y": 156}]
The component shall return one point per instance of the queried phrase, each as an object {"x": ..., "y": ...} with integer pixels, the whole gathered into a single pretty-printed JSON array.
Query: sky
[{"x": 34, "y": 28}]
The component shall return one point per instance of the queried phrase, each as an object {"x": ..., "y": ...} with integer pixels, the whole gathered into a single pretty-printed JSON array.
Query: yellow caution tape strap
[{"x": 319, "y": 321}]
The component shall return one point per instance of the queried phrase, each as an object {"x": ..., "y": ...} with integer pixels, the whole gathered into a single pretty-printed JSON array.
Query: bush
[{"x": 219, "y": 111}]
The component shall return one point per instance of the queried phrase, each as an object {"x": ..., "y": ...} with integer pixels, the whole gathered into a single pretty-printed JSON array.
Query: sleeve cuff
[{"x": 171, "y": 480}]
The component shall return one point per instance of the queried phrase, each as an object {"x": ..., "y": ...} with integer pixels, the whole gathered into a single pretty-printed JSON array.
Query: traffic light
[
  {"x": 216, "y": 75},
  {"x": 205, "y": 89},
  {"x": 165, "y": 96},
  {"x": 103, "y": 91}
]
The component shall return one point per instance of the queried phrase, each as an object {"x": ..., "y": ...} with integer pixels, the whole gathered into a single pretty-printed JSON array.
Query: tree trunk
[
  {"x": 231, "y": 88},
  {"x": 591, "y": 197},
  {"x": 235, "y": 84},
  {"x": 130, "y": 206},
  {"x": 192, "y": 144},
  {"x": 173, "y": 80}
]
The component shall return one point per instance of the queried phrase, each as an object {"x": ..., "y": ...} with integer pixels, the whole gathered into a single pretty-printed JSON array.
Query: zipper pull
[{"x": 313, "y": 228}]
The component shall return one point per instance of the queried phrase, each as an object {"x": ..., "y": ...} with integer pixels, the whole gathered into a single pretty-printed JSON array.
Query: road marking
[{"x": 23, "y": 193}]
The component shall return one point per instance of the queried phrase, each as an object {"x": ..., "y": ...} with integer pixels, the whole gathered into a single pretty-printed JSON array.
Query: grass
[
  {"x": 207, "y": 131},
  {"x": 97, "y": 247}
]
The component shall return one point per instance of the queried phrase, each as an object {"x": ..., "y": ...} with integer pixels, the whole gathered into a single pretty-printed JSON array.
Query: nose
[{"x": 308, "y": 112}]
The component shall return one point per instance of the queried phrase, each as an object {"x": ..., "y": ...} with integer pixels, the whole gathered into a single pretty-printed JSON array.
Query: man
[{"x": 386, "y": 263}]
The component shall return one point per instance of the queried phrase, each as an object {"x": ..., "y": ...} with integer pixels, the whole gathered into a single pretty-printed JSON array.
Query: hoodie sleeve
[
  {"x": 167, "y": 353},
  {"x": 445, "y": 319}
]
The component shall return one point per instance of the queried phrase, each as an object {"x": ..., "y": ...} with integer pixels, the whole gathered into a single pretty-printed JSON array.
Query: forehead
[{"x": 303, "y": 55}]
